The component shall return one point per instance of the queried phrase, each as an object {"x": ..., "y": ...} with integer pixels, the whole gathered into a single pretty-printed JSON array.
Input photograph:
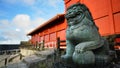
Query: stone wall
[{"x": 27, "y": 52}]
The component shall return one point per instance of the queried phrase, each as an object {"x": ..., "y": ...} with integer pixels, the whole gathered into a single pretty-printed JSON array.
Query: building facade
[
  {"x": 106, "y": 14},
  {"x": 49, "y": 32}
]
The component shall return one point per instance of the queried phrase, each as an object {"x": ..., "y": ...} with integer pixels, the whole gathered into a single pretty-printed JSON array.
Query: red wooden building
[
  {"x": 106, "y": 14},
  {"x": 49, "y": 32}
]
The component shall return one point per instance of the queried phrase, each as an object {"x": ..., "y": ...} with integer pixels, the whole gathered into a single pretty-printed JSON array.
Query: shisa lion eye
[{"x": 74, "y": 8}]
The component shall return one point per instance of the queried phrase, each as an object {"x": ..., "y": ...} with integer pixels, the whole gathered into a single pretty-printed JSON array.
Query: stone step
[
  {"x": 32, "y": 60},
  {"x": 46, "y": 53}
]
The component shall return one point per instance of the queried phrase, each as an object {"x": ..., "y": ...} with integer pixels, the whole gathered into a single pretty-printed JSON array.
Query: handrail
[
  {"x": 7, "y": 58},
  {"x": 10, "y": 51},
  {"x": 61, "y": 44}
]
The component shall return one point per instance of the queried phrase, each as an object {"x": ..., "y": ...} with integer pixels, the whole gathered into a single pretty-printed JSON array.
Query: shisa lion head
[{"x": 78, "y": 12}]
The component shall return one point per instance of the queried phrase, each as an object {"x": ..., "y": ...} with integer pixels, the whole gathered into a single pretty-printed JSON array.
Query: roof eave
[{"x": 49, "y": 21}]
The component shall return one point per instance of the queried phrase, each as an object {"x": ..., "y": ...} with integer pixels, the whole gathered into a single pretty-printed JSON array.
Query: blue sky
[{"x": 18, "y": 17}]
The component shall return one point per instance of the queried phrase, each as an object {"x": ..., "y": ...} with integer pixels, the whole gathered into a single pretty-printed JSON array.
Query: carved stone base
[{"x": 62, "y": 64}]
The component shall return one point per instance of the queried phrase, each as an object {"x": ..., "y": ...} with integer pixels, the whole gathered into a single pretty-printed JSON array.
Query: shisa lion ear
[{"x": 83, "y": 7}]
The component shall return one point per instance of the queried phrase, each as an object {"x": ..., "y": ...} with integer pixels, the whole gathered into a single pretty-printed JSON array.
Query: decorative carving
[{"x": 84, "y": 43}]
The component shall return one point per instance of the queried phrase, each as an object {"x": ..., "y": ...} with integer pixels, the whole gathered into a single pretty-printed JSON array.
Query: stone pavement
[{"x": 32, "y": 60}]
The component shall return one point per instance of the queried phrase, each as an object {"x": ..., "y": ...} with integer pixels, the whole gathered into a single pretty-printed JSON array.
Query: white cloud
[
  {"x": 4, "y": 22},
  {"x": 5, "y": 25},
  {"x": 22, "y": 20},
  {"x": 25, "y": 24},
  {"x": 34, "y": 24},
  {"x": 16, "y": 30}
]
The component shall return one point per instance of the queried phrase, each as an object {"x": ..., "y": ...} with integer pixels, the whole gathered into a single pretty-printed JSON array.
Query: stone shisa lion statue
[{"x": 84, "y": 44}]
